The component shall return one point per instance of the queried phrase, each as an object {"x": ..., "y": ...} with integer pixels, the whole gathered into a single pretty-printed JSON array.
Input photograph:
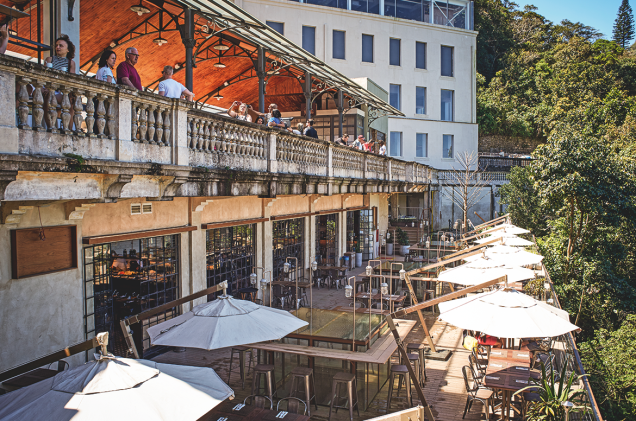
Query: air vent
[
  {"x": 135, "y": 209},
  {"x": 146, "y": 208}
]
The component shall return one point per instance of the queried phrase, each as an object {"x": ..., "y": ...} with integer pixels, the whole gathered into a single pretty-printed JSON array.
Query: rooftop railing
[
  {"x": 97, "y": 120},
  {"x": 499, "y": 163}
]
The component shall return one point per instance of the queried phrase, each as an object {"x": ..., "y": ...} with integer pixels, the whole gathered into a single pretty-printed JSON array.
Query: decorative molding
[
  {"x": 75, "y": 209},
  {"x": 113, "y": 185},
  {"x": 6, "y": 177},
  {"x": 168, "y": 188}
]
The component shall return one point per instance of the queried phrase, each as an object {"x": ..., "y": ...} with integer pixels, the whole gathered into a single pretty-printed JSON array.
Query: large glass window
[
  {"x": 447, "y": 61},
  {"x": 339, "y": 44},
  {"x": 230, "y": 256},
  {"x": 125, "y": 278},
  {"x": 408, "y": 9},
  {"x": 448, "y": 146},
  {"x": 421, "y": 145},
  {"x": 327, "y": 239},
  {"x": 447, "y": 105},
  {"x": 368, "y": 6},
  {"x": 309, "y": 39},
  {"x": 276, "y": 26},
  {"x": 395, "y": 96},
  {"x": 367, "y": 48},
  {"x": 420, "y": 55},
  {"x": 394, "y": 51},
  {"x": 340, "y": 4},
  {"x": 288, "y": 240},
  {"x": 420, "y": 100},
  {"x": 360, "y": 229},
  {"x": 328, "y": 126},
  {"x": 395, "y": 144},
  {"x": 449, "y": 14}
]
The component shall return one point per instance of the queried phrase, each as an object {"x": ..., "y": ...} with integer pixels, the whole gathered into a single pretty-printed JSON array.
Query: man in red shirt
[{"x": 126, "y": 73}]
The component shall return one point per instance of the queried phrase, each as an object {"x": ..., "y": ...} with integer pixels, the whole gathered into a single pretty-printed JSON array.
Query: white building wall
[{"x": 326, "y": 19}]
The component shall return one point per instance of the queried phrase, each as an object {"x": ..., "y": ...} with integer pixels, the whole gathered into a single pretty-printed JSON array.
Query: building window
[
  {"x": 276, "y": 26},
  {"x": 125, "y": 278},
  {"x": 327, "y": 239},
  {"x": 309, "y": 39},
  {"x": 408, "y": 9},
  {"x": 447, "y": 105},
  {"x": 339, "y": 4},
  {"x": 447, "y": 61},
  {"x": 420, "y": 55},
  {"x": 288, "y": 240},
  {"x": 395, "y": 144},
  {"x": 395, "y": 96},
  {"x": 367, "y": 48},
  {"x": 448, "y": 146},
  {"x": 368, "y": 6},
  {"x": 421, "y": 145},
  {"x": 339, "y": 44},
  {"x": 449, "y": 14},
  {"x": 394, "y": 52},
  {"x": 420, "y": 100},
  {"x": 230, "y": 256}
]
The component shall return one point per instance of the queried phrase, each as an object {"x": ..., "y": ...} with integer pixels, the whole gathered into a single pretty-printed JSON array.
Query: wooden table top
[
  {"x": 32, "y": 377},
  {"x": 302, "y": 284},
  {"x": 362, "y": 310},
  {"x": 394, "y": 298},
  {"x": 509, "y": 369},
  {"x": 333, "y": 268},
  {"x": 249, "y": 413},
  {"x": 498, "y": 353}
]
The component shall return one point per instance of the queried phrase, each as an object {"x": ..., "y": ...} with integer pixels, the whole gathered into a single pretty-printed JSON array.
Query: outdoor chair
[
  {"x": 476, "y": 393},
  {"x": 479, "y": 369},
  {"x": 293, "y": 405},
  {"x": 260, "y": 401},
  {"x": 482, "y": 361}
]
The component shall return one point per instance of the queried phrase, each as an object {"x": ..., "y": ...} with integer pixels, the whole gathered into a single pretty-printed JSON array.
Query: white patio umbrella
[
  {"x": 483, "y": 270},
  {"x": 507, "y": 228},
  {"x": 507, "y": 239},
  {"x": 506, "y": 313},
  {"x": 113, "y": 388},
  {"x": 225, "y": 322},
  {"x": 513, "y": 256}
]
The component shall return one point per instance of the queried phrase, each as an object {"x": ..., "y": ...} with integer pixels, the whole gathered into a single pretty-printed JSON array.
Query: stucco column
[
  {"x": 196, "y": 250},
  {"x": 272, "y": 163},
  {"x": 310, "y": 243},
  {"x": 179, "y": 133},
  {"x": 124, "y": 148},
  {"x": 342, "y": 233},
  {"x": 8, "y": 129},
  {"x": 259, "y": 258}
]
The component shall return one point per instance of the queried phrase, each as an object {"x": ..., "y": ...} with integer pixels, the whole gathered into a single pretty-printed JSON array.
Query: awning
[{"x": 236, "y": 21}]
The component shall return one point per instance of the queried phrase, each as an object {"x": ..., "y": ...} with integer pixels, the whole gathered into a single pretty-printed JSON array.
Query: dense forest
[{"x": 564, "y": 83}]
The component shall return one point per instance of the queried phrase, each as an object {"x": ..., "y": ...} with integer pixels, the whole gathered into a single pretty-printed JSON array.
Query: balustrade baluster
[
  {"x": 143, "y": 118},
  {"x": 166, "y": 128},
  {"x": 151, "y": 125},
  {"x": 110, "y": 117},
  {"x": 23, "y": 100},
  {"x": 51, "y": 117},
  {"x": 134, "y": 127},
  {"x": 206, "y": 136},
  {"x": 222, "y": 135},
  {"x": 159, "y": 125},
  {"x": 195, "y": 134},
  {"x": 101, "y": 112},
  {"x": 90, "y": 113},
  {"x": 38, "y": 110},
  {"x": 78, "y": 107},
  {"x": 66, "y": 108},
  {"x": 201, "y": 134},
  {"x": 189, "y": 126}
]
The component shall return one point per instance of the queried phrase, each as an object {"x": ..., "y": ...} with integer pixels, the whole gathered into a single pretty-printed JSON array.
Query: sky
[{"x": 597, "y": 14}]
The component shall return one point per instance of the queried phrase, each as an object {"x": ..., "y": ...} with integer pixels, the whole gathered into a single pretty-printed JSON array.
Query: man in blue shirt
[
  {"x": 309, "y": 129},
  {"x": 275, "y": 121}
]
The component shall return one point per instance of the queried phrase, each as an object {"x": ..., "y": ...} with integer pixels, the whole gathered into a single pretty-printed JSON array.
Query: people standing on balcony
[
  {"x": 309, "y": 129},
  {"x": 4, "y": 38},
  {"x": 62, "y": 61},
  {"x": 299, "y": 129},
  {"x": 126, "y": 72},
  {"x": 106, "y": 65},
  {"x": 170, "y": 88},
  {"x": 260, "y": 120},
  {"x": 242, "y": 113},
  {"x": 344, "y": 140},
  {"x": 358, "y": 143},
  {"x": 275, "y": 120},
  {"x": 370, "y": 145},
  {"x": 382, "y": 148}
]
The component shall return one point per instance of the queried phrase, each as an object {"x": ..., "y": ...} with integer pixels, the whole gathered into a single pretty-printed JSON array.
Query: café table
[
  {"x": 27, "y": 379},
  {"x": 509, "y": 371},
  {"x": 249, "y": 292},
  {"x": 248, "y": 413}
]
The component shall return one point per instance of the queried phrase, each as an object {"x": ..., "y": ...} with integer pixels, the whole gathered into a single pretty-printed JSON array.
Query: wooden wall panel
[{"x": 31, "y": 256}]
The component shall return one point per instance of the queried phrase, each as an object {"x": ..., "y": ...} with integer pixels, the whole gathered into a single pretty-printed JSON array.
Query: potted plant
[
  {"x": 403, "y": 241},
  {"x": 358, "y": 255},
  {"x": 389, "y": 246},
  {"x": 554, "y": 389}
]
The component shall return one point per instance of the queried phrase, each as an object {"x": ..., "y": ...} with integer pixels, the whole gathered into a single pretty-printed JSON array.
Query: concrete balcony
[{"x": 116, "y": 140}]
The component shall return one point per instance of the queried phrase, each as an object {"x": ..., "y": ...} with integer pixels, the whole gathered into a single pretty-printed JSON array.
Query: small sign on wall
[{"x": 37, "y": 251}]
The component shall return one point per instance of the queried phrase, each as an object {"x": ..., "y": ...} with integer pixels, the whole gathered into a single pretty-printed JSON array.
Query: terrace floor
[{"x": 444, "y": 389}]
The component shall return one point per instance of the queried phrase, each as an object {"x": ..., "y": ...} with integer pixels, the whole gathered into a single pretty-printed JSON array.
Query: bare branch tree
[{"x": 465, "y": 185}]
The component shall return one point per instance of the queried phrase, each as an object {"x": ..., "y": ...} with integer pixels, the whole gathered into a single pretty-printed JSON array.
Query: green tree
[
  {"x": 624, "y": 25},
  {"x": 493, "y": 20}
]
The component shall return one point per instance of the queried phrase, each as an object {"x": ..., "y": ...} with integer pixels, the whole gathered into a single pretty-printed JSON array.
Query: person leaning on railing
[
  {"x": 170, "y": 88},
  {"x": 126, "y": 72},
  {"x": 309, "y": 129},
  {"x": 106, "y": 65},
  {"x": 382, "y": 148},
  {"x": 242, "y": 113},
  {"x": 275, "y": 120},
  {"x": 62, "y": 61},
  {"x": 4, "y": 39}
]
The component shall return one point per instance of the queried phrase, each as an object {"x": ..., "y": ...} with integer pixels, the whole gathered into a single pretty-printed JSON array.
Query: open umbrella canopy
[
  {"x": 506, "y": 313},
  {"x": 513, "y": 256},
  {"x": 483, "y": 270},
  {"x": 113, "y": 388},
  {"x": 507, "y": 239},
  {"x": 507, "y": 228},
  {"x": 225, "y": 322}
]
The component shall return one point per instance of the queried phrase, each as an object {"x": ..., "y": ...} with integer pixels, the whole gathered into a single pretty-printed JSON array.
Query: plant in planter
[
  {"x": 403, "y": 241},
  {"x": 554, "y": 389},
  {"x": 358, "y": 255}
]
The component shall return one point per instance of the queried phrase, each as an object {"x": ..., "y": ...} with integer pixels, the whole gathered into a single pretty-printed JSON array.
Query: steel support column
[
  {"x": 260, "y": 72},
  {"x": 187, "y": 36},
  {"x": 307, "y": 92},
  {"x": 340, "y": 106}
]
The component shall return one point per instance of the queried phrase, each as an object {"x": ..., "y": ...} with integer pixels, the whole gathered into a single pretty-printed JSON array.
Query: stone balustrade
[{"x": 101, "y": 121}]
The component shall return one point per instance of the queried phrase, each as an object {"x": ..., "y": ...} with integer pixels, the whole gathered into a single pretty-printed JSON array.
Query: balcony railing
[
  {"x": 501, "y": 164},
  {"x": 101, "y": 121}
]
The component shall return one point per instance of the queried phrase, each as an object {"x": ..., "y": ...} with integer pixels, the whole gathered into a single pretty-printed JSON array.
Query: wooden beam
[
  {"x": 215, "y": 225},
  {"x": 443, "y": 263},
  {"x": 134, "y": 235},
  {"x": 469, "y": 249},
  {"x": 486, "y": 224},
  {"x": 291, "y": 216},
  {"x": 407, "y": 279}
]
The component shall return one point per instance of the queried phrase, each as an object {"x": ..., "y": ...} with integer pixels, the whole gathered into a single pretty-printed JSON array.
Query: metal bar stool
[
  {"x": 402, "y": 373},
  {"x": 241, "y": 351},
  {"x": 266, "y": 370},
  {"x": 301, "y": 376},
  {"x": 419, "y": 349},
  {"x": 349, "y": 380},
  {"x": 414, "y": 360}
]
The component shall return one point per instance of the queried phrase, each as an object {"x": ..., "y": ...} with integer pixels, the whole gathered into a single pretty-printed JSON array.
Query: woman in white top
[
  {"x": 382, "y": 148},
  {"x": 242, "y": 113},
  {"x": 106, "y": 65}
]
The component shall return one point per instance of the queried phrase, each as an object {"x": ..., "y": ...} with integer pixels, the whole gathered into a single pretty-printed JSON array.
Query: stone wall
[{"x": 509, "y": 144}]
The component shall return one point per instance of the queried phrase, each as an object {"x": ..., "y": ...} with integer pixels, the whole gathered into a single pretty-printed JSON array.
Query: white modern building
[{"x": 422, "y": 53}]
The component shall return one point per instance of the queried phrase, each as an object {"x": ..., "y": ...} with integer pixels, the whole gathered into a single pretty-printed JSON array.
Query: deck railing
[
  {"x": 98, "y": 120},
  {"x": 500, "y": 163}
]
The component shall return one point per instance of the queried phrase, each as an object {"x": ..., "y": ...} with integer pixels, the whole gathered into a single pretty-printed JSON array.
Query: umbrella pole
[{"x": 419, "y": 313}]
